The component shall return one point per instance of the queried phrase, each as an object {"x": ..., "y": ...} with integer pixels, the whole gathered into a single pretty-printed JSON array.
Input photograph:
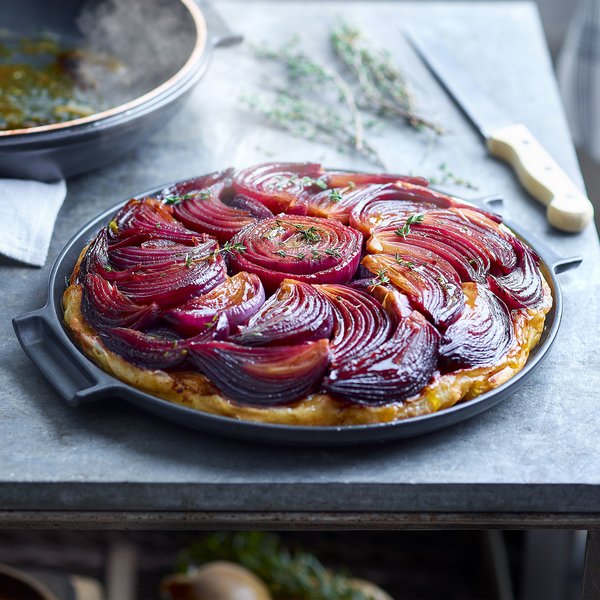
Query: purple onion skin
[
  {"x": 148, "y": 219},
  {"x": 398, "y": 369},
  {"x": 176, "y": 284},
  {"x": 522, "y": 287},
  {"x": 96, "y": 259},
  {"x": 220, "y": 217},
  {"x": 237, "y": 298},
  {"x": 278, "y": 186},
  {"x": 161, "y": 349},
  {"x": 157, "y": 255},
  {"x": 296, "y": 313},
  {"x": 143, "y": 349},
  {"x": 271, "y": 376},
  {"x": 360, "y": 323},
  {"x": 217, "y": 182},
  {"x": 481, "y": 336},
  {"x": 103, "y": 306},
  {"x": 278, "y": 249}
]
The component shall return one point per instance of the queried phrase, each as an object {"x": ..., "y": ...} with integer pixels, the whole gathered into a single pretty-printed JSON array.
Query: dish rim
[{"x": 327, "y": 435}]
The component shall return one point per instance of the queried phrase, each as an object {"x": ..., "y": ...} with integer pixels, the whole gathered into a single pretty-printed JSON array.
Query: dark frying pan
[
  {"x": 78, "y": 380},
  {"x": 163, "y": 48}
]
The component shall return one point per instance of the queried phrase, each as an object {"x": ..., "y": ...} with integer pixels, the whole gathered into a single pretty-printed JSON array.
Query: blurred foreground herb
[{"x": 287, "y": 574}]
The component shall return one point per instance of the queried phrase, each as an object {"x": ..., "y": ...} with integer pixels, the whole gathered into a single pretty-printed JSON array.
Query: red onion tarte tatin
[{"x": 287, "y": 293}]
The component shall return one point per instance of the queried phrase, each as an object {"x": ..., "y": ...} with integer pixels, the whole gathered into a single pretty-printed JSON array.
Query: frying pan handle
[
  {"x": 220, "y": 35},
  {"x": 63, "y": 366}
]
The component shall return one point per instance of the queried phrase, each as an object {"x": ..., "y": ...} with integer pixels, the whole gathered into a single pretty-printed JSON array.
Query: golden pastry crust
[{"x": 193, "y": 390}]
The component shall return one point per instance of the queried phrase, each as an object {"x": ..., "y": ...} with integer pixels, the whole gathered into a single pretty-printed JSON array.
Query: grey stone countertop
[{"x": 535, "y": 451}]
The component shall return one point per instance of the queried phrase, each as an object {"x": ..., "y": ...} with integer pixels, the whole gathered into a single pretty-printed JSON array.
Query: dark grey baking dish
[
  {"x": 185, "y": 39},
  {"x": 78, "y": 380}
]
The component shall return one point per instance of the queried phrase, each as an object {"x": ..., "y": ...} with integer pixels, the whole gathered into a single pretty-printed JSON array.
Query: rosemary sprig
[
  {"x": 287, "y": 574},
  {"x": 305, "y": 69},
  {"x": 335, "y": 252},
  {"x": 383, "y": 86},
  {"x": 405, "y": 229}
]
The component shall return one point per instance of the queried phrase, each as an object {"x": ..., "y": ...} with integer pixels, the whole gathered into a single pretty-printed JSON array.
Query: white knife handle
[{"x": 568, "y": 208}]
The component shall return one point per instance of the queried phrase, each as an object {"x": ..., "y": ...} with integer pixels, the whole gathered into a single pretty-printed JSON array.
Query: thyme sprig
[
  {"x": 284, "y": 181},
  {"x": 383, "y": 87},
  {"x": 405, "y": 229},
  {"x": 310, "y": 120},
  {"x": 381, "y": 278},
  {"x": 335, "y": 195},
  {"x": 287, "y": 574},
  {"x": 310, "y": 234},
  {"x": 227, "y": 248},
  {"x": 175, "y": 199},
  {"x": 302, "y": 68},
  {"x": 445, "y": 175}
]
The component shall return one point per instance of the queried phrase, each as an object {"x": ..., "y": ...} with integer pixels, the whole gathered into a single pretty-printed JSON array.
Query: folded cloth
[
  {"x": 28, "y": 212},
  {"x": 579, "y": 76}
]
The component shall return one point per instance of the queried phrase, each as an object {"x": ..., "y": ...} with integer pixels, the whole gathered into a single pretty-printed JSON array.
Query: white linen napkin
[{"x": 28, "y": 212}]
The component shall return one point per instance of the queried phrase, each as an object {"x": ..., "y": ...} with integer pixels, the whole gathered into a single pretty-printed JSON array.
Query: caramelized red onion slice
[
  {"x": 158, "y": 254},
  {"x": 337, "y": 203},
  {"x": 146, "y": 350},
  {"x": 431, "y": 289},
  {"x": 220, "y": 217},
  {"x": 483, "y": 243},
  {"x": 398, "y": 201},
  {"x": 392, "y": 204},
  {"x": 295, "y": 313},
  {"x": 175, "y": 284},
  {"x": 103, "y": 305},
  {"x": 279, "y": 186},
  {"x": 393, "y": 372},
  {"x": 238, "y": 298},
  {"x": 469, "y": 264},
  {"x": 258, "y": 376},
  {"x": 95, "y": 259},
  {"x": 481, "y": 336},
  {"x": 522, "y": 287},
  {"x": 147, "y": 219},
  {"x": 217, "y": 182},
  {"x": 345, "y": 179},
  {"x": 360, "y": 324},
  {"x": 303, "y": 248}
]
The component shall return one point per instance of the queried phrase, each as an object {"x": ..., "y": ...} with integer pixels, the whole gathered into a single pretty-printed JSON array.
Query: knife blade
[{"x": 568, "y": 208}]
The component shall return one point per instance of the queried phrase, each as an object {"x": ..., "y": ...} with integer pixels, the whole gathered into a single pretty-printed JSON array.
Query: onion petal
[
  {"x": 393, "y": 372},
  {"x": 238, "y": 298},
  {"x": 482, "y": 334},
  {"x": 296, "y": 313},
  {"x": 258, "y": 376}
]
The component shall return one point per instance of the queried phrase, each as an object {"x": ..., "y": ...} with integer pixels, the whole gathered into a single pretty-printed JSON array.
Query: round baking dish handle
[{"x": 69, "y": 372}]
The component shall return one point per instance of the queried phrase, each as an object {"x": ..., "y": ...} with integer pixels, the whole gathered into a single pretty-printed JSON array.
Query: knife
[{"x": 568, "y": 208}]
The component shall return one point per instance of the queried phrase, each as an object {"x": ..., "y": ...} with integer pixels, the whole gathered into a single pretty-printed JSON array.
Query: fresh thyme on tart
[{"x": 287, "y": 293}]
